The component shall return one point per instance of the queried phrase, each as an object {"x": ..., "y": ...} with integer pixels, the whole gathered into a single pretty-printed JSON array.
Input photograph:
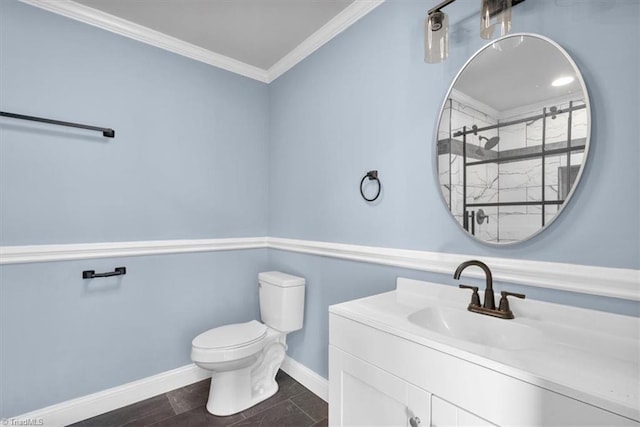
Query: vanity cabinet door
[
  {"x": 445, "y": 414},
  {"x": 361, "y": 394}
]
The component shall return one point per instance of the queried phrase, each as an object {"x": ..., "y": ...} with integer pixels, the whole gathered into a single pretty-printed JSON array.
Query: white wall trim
[
  {"x": 123, "y": 27},
  {"x": 610, "y": 282},
  {"x": 335, "y": 26},
  {"x": 129, "y": 29},
  {"x": 308, "y": 378},
  {"x": 74, "y": 251},
  {"x": 79, "y": 409},
  {"x": 82, "y": 408}
]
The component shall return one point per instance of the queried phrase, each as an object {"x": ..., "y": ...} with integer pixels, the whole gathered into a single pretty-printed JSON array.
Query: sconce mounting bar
[{"x": 444, "y": 4}]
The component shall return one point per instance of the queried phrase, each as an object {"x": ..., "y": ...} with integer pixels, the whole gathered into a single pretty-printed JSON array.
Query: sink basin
[
  {"x": 588, "y": 355},
  {"x": 476, "y": 328}
]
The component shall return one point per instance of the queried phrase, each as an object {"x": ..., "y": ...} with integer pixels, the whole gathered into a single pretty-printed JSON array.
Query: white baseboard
[
  {"x": 305, "y": 376},
  {"x": 79, "y": 409}
]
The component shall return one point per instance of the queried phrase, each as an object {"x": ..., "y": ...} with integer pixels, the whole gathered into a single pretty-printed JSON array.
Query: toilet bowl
[
  {"x": 245, "y": 357},
  {"x": 232, "y": 352}
]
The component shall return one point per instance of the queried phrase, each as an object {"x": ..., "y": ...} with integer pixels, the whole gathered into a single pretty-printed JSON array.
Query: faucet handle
[
  {"x": 475, "y": 298},
  {"x": 504, "y": 302}
]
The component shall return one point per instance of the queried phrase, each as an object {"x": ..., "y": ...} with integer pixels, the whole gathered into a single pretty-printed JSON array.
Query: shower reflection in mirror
[{"x": 505, "y": 174}]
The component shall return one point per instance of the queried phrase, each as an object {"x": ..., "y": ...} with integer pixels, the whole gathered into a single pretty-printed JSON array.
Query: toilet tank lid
[{"x": 278, "y": 278}]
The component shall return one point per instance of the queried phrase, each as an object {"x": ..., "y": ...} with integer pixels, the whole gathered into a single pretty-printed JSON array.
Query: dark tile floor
[{"x": 293, "y": 405}]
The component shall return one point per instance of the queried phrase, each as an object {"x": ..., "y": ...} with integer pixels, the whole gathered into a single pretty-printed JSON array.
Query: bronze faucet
[{"x": 488, "y": 306}]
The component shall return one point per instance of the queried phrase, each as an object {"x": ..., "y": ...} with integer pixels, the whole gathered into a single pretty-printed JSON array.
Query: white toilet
[{"x": 245, "y": 357}]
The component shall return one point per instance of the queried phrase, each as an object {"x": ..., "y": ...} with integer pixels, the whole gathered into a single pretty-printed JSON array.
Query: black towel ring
[{"x": 372, "y": 175}]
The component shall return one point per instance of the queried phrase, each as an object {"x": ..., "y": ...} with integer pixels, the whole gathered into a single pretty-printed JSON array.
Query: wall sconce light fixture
[
  {"x": 436, "y": 37},
  {"x": 495, "y": 14}
]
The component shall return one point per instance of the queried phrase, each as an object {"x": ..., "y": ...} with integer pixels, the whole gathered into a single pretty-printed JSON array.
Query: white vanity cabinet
[
  {"x": 380, "y": 376},
  {"x": 362, "y": 394},
  {"x": 446, "y": 414},
  {"x": 369, "y": 396}
]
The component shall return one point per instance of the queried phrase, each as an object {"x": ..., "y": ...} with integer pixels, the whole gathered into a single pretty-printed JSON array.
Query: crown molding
[
  {"x": 105, "y": 21},
  {"x": 350, "y": 15},
  {"x": 114, "y": 24}
]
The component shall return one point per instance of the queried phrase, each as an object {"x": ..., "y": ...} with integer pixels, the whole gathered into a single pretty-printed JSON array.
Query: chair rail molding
[
  {"x": 75, "y": 251},
  {"x": 603, "y": 281}
]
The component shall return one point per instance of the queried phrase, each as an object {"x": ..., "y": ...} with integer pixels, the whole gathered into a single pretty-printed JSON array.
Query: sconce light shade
[
  {"x": 436, "y": 37},
  {"x": 495, "y": 14}
]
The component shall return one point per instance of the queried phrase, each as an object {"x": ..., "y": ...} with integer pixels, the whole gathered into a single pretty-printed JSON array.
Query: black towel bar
[
  {"x": 109, "y": 133},
  {"x": 90, "y": 274}
]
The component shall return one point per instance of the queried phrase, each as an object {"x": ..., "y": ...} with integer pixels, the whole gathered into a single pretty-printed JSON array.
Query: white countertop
[{"x": 588, "y": 355}]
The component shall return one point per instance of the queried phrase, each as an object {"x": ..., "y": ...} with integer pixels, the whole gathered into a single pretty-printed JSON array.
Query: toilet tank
[{"x": 281, "y": 300}]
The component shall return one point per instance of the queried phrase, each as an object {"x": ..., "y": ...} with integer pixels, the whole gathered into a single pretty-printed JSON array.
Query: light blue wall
[
  {"x": 189, "y": 161},
  {"x": 332, "y": 281},
  {"x": 202, "y": 153},
  {"x": 366, "y": 100},
  {"x": 64, "y": 337}
]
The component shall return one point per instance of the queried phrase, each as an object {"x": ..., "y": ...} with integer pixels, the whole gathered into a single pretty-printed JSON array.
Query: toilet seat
[
  {"x": 229, "y": 342},
  {"x": 231, "y": 336}
]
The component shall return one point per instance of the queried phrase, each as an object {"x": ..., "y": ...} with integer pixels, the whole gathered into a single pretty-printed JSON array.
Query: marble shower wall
[
  {"x": 516, "y": 181},
  {"x": 521, "y": 181},
  {"x": 482, "y": 180}
]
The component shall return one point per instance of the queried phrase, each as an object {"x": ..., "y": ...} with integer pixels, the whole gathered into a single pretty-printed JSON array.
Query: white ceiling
[
  {"x": 259, "y": 39},
  {"x": 510, "y": 77},
  {"x": 256, "y": 32}
]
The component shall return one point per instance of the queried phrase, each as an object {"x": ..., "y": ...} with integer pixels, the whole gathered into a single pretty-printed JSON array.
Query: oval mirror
[{"x": 512, "y": 138}]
